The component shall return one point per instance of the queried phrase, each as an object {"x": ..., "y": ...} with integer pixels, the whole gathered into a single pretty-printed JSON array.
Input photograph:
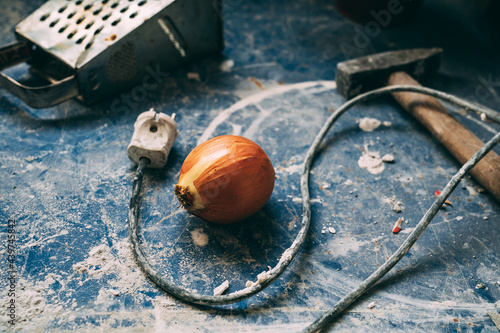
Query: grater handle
[{"x": 36, "y": 97}]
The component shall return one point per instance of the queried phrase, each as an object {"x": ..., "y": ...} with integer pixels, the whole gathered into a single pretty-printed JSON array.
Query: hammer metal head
[{"x": 366, "y": 73}]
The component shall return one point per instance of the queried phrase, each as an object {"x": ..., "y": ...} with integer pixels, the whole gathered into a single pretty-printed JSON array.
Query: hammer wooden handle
[{"x": 459, "y": 141}]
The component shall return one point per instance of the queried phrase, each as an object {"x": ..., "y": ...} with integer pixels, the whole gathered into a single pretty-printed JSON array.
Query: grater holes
[
  {"x": 61, "y": 30},
  {"x": 70, "y": 15},
  {"x": 133, "y": 15},
  {"x": 71, "y": 34},
  {"x": 114, "y": 5},
  {"x": 98, "y": 30},
  {"x": 142, "y": 3},
  {"x": 97, "y": 11},
  {"x": 80, "y": 20},
  {"x": 44, "y": 17},
  {"x": 81, "y": 39},
  {"x": 87, "y": 7},
  {"x": 79, "y": 2},
  {"x": 123, "y": 10},
  {"x": 90, "y": 24},
  {"x": 105, "y": 17},
  {"x": 122, "y": 66},
  {"x": 53, "y": 23},
  {"x": 62, "y": 9},
  {"x": 115, "y": 22},
  {"x": 104, "y": 2},
  {"x": 89, "y": 45}
]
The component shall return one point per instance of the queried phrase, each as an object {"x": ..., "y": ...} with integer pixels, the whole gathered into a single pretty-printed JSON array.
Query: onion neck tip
[{"x": 184, "y": 196}]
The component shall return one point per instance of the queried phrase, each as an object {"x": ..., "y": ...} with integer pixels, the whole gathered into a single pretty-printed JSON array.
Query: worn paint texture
[{"x": 66, "y": 180}]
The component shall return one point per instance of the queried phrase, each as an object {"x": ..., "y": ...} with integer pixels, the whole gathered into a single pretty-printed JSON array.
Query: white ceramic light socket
[{"x": 154, "y": 136}]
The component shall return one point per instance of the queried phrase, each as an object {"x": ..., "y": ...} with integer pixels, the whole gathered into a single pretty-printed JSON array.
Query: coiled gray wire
[{"x": 193, "y": 297}]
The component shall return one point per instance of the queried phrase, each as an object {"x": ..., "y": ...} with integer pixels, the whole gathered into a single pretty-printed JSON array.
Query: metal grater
[{"x": 92, "y": 49}]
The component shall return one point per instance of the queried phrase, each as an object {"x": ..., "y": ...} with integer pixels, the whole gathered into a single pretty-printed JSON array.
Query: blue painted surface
[{"x": 66, "y": 180}]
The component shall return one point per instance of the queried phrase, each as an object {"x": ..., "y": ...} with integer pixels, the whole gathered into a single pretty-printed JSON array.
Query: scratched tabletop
[{"x": 66, "y": 181}]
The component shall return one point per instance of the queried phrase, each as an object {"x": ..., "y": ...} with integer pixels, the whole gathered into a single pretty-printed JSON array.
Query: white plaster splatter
[
  {"x": 472, "y": 191},
  {"x": 388, "y": 158},
  {"x": 226, "y": 65},
  {"x": 222, "y": 288},
  {"x": 258, "y": 97},
  {"x": 371, "y": 162},
  {"x": 199, "y": 237},
  {"x": 348, "y": 182},
  {"x": 262, "y": 277},
  {"x": 294, "y": 168},
  {"x": 396, "y": 205},
  {"x": 369, "y": 124}
]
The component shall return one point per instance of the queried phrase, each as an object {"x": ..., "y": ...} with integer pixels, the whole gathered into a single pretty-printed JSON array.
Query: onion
[{"x": 225, "y": 179}]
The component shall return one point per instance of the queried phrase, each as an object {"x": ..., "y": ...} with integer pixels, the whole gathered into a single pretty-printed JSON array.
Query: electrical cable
[
  {"x": 193, "y": 297},
  {"x": 342, "y": 304}
]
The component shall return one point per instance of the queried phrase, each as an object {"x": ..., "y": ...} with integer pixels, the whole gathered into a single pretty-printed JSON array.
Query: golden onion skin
[{"x": 225, "y": 179}]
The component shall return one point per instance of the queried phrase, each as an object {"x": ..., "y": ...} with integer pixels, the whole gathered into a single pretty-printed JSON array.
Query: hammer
[{"x": 399, "y": 67}]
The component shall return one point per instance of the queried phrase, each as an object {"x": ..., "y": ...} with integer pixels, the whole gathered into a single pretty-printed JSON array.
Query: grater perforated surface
[{"x": 75, "y": 31}]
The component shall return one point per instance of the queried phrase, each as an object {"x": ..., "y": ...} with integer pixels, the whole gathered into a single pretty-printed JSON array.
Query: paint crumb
[
  {"x": 371, "y": 162},
  {"x": 472, "y": 191},
  {"x": 227, "y": 65},
  {"x": 348, "y": 182},
  {"x": 480, "y": 285},
  {"x": 194, "y": 76},
  {"x": 397, "y": 226},
  {"x": 369, "y": 124},
  {"x": 222, "y": 288},
  {"x": 249, "y": 284},
  {"x": 323, "y": 231},
  {"x": 483, "y": 117},
  {"x": 485, "y": 218},
  {"x": 388, "y": 158},
  {"x": 395, "y": 204},
  {"x": 257, "y": 83},
  {"x": 332, "y": 230},
  {"x": 371, "y": 305},
  {"x": 387, "y": 123},
  {"x": 438, "y": 193}
]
